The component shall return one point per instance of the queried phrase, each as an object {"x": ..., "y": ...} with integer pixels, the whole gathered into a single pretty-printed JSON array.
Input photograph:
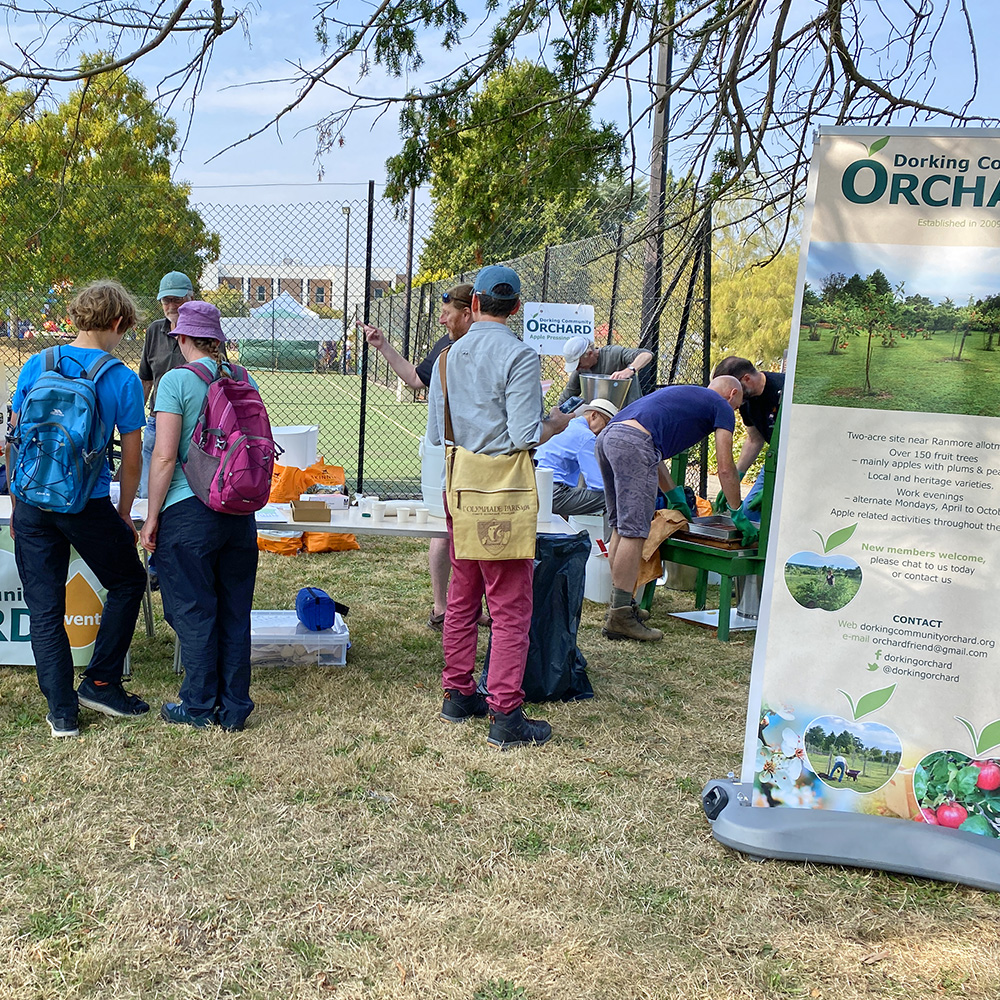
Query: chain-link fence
[{"x": 294, "y": 281}]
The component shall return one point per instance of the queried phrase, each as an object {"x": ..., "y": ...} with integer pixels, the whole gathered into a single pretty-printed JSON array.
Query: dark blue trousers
[
  {"x": 42, "y": 543},
  {"x": 207, "y": 564}
]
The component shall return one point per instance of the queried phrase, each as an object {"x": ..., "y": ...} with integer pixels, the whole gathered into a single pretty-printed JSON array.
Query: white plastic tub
[
  {"x": 432, "y": 476},
  {"x": 299, "y": 444}
]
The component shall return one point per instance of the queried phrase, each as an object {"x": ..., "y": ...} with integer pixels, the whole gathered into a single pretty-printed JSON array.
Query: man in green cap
[{"x": 160, "y": 353}]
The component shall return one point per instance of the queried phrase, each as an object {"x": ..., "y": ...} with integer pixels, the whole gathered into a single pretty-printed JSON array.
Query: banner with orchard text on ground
[{"x": 876, "y": 676}]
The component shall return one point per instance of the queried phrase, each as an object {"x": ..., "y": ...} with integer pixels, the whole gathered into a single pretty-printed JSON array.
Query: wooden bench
[{"x": 711, "y": 559}]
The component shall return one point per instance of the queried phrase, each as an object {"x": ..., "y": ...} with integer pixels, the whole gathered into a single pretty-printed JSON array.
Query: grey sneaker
[
  {"x": 62, "y": 727},
  {"x": 458, "y": 707},
  {"x": 110, "y": 699},
  {"x": 515, "y": 729},
  {"x": 622, "y": 623}
]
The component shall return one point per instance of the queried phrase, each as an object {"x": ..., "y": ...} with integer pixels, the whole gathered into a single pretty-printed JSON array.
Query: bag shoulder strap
[
  {"x": 51, "y": 359},
  {"x": 236, "y": 372},
  {"x": 449, "y": 433},
  {"x": 100, "y": 365},
  {"x": 201, "y": 371}
]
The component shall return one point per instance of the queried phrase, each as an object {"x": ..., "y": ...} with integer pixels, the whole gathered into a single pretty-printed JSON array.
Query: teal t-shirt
[{"x": 184, "y": 392}]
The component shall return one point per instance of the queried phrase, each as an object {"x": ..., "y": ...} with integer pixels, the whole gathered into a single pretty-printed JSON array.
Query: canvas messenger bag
[{"x": 492, "y": 499}]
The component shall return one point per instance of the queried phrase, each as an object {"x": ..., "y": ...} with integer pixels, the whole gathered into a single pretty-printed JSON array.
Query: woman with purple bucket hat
[{"x": 207, "y": 559}]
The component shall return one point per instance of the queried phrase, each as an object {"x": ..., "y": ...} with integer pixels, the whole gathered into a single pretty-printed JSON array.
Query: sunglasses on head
[{"x": 448, "y": 297}]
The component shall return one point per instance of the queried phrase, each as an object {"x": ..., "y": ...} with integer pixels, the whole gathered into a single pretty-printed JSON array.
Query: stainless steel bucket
[
  {"x": 748, "y": 596},
  {"x": 604, "y": 387}
]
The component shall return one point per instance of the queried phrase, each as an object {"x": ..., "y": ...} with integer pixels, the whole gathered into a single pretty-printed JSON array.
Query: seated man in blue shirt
[{"x": 570, "y": 455}]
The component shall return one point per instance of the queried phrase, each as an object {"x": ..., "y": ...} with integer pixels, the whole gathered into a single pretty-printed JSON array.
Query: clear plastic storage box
[{"x": 278, "y": 639}]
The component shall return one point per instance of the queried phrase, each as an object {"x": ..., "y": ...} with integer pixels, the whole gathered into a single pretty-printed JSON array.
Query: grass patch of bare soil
[{"x": 350, "y": 845}]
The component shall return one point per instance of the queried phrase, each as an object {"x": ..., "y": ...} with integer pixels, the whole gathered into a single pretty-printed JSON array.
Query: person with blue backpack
[
  {"x": 68, "y": 401},
  {"x": 211, "y": 469}
]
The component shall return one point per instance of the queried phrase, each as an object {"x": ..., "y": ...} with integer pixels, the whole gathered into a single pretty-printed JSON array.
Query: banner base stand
[{"x": 829, "y": 837}]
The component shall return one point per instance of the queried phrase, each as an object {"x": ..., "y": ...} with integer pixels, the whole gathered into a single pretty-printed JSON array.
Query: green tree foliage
[
  {"x": 506, "y": 174},
  {"x": 229, "y": 301},
  {"x": 86, "y": 192},
  {"x": 753, "y": 286}
]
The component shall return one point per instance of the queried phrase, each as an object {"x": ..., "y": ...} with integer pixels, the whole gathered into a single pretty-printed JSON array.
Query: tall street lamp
[{"x": 346, "y": 209}]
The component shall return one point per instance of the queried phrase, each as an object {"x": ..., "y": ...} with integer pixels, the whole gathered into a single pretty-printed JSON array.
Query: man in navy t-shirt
[{"x": 632, "y": 452}]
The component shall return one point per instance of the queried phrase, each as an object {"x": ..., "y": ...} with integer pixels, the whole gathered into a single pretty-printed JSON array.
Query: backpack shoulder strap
[
  {"x": 201, "y": 371},
  {"x": 51, "y": 359},
  {"x": 101, "y": 365}
]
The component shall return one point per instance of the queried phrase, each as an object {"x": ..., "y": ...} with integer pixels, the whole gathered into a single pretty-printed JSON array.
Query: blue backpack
[{"x": 59, "y": 443}]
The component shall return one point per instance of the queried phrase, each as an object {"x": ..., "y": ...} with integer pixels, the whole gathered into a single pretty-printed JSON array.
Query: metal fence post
[
  {"x": 409, "y": 276},
  {"x": 364, "y": 342},
  {"x": 614, "y": 280}
]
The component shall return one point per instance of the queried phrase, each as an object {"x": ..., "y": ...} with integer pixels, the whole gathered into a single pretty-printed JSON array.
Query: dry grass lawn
[{"x": 349, "y": 845}]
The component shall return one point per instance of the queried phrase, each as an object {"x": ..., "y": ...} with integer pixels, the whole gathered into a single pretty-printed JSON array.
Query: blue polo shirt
[
  {"x": 679, "y": 416},
  {"x": 571, "y": 454}
]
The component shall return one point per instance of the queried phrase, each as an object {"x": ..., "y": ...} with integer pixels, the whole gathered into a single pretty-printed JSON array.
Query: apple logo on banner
[
  {"x": 823, "y": 581},
  {"x": 852, "y": 754}
]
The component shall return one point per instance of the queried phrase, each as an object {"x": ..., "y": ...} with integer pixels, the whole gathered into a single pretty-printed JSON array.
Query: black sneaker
[
  {"x": 458, "y": 707},
  {"x": 176, "y": 712},
  {"x": 515, "y": 729},
  {"x": 110, "y": 699},
  {"x": 62, "y": 727}
]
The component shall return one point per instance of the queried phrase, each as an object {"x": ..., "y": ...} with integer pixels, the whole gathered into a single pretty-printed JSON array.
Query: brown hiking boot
[
  {"x": 622, "y": 623},
  {"x": 641, "y": 613}
]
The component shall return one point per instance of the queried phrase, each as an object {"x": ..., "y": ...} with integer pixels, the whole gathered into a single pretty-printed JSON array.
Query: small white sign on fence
[{"x": 548, "y": 325}]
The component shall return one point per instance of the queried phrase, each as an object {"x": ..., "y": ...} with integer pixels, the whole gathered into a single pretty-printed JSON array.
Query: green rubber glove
[
  {"x": 677, "y": 501},
  {"x": 749, "y": 529},
  {"x": 721, "y": 503},
  {"x": 756, "y": 501}
]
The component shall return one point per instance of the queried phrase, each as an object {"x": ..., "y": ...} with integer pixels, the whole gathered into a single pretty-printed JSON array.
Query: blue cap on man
[{"x": 499, "y": 281}]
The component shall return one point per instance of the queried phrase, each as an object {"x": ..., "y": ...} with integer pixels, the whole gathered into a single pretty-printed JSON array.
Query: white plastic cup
[
  {"x": 378, "y": 511},
  {"x": 420, "y": 515},
  {"x": 402, "y": 515}
]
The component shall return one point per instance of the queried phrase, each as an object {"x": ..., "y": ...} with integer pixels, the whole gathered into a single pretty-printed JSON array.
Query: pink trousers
[{"x": 507, "y": 586}]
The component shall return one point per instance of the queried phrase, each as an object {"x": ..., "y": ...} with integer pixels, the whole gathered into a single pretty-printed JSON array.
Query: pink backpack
[{"x": 231, "y": 455}]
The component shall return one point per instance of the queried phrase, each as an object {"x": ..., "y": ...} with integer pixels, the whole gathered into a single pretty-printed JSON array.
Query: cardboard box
[{"x": 314, "y": 511}]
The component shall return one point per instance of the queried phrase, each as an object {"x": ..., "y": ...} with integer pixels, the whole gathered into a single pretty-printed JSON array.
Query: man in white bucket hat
[{"x": 619, "y": 362}]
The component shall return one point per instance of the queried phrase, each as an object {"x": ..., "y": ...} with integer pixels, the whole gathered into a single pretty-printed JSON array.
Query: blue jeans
[
  {"x": 758, "y": 487},
  {"x": 207, "y": 564},
  {"x": 42, "y": 542},
  {"x": 838, "y": 767},
  {"x": 148, "y": 440}
]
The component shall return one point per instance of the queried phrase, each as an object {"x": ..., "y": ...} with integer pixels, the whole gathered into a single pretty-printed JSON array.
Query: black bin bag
[{"x": 556, "y": 669}]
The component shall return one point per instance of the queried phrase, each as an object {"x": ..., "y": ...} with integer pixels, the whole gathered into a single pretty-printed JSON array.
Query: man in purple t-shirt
[{"x": 633, "y": 451}]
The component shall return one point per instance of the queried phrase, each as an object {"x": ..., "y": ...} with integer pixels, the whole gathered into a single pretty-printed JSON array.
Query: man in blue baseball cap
[{"x": 496, "y": 406}]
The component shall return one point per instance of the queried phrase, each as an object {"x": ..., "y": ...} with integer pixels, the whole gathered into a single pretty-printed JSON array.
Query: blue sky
[
  {"x": 234, "y": 103},
  {"x": 955, "y": 272}
]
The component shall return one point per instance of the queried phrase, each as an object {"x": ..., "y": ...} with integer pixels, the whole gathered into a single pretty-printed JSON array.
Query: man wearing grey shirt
[
  {"x": 582, "y": 357},
  {"x": 496, "y": 407}
]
